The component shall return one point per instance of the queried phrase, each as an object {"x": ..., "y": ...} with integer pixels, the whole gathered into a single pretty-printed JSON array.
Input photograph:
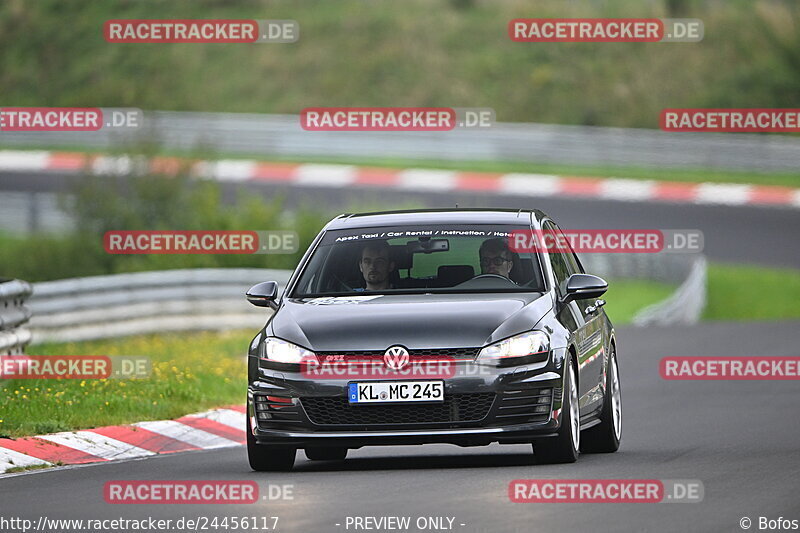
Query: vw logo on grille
[{"x": 396, "y": 357}]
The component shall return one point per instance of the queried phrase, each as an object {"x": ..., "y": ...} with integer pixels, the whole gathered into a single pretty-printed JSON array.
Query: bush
[{"x": 153, "y": 202}]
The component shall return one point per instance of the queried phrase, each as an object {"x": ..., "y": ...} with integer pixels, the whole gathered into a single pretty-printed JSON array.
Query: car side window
[
  {"x": 561, "y": 269},
  {"x": 572, "y": 259}
]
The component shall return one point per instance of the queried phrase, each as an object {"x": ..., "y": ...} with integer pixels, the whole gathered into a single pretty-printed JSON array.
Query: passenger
[
  {"x": 376, "y": 266},
  {"x": 496, "y": 258}
]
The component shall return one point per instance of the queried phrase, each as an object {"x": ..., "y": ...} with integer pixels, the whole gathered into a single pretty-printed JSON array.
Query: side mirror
[
  {"x": 264, "y": 294},
  {"x": 580, "y": 286}
]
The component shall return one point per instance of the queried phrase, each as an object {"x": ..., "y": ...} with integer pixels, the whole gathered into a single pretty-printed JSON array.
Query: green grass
[
  {"x": 191, "y": 372},
  {"x": 626, "y": 297},
  {"x": 735, "y": 292},
  {"x": 453, "y": 53},
  {"x": 788, "y": 179},
  {"x": 15, "y": 469},
  {"x": 698, "y": 175},
  {"x": 750, "y": 293}
]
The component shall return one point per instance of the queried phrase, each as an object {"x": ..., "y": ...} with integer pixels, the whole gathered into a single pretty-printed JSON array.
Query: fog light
[
  {"x": 264, "y": 416},
  {"x": 541, "y": 409}
]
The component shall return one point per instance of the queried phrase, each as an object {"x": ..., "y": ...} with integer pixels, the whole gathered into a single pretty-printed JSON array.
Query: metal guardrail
[
  {"x": 13, "y": 316},
  {"x": 686, "y": 304},
  {"x": 146, "y": 302},
  {"x": 687, "y": 271},
  {"x": 213, "y": 299},
  {"x": 32, "y": 211},
  {"x": 281, "y": 135},
  {"x": 671, "y": 268}
]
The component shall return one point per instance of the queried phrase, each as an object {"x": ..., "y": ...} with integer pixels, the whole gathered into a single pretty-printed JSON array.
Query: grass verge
[
  {"x": 626, "y": 297},
  {"x": 191, "y": 372},
  {"x": 690, "y": 175},
  {"x": 16, "y": 469},
  {"x": 685, "y": 175},
  {"x": 737, "y": 292}
]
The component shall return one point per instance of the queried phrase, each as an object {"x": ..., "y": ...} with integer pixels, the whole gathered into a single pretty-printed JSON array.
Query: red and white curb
[
  {"x": 218, "y": 428},
  {"x": 414, "y": 179}
]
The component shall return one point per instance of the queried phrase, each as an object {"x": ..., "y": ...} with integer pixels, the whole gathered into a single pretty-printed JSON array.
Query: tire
[
  {"x": 267, "y": 458},
  {"x": 605, "y": 437},
  {"x": 565, "y": 447},
  {"x": 326, "y": 454}
]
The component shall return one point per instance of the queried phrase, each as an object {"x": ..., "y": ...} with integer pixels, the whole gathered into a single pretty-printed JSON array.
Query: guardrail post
[{"x": 13, "y": 315}]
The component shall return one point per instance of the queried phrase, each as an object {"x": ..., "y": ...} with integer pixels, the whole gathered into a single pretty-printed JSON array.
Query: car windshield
[{"x": 415, "y": 260}]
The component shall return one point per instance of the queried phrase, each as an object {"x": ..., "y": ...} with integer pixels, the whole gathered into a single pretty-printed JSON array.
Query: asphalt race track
[
  {"x": 739, "y": 438},
  {"x": 739, "y": 234}
]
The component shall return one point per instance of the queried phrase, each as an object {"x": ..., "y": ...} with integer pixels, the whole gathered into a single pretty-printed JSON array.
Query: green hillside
[{"x": 410, "y": 53}]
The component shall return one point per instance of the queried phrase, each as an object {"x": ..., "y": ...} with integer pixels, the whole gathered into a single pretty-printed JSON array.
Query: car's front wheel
[
  {"x": 564, "y": 447},
  {"x": 267, "y": 458},
  {"x": 605, "y": 437}
]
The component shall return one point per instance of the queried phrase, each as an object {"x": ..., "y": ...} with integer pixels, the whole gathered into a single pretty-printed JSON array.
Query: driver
[
  {"x": 496, "y": 258},
  {"x": 376, "y": 266}
]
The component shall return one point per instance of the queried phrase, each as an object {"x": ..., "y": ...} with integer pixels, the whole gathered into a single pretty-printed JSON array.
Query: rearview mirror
[
  {"x": 427, "y": 245},
  {"x": 580, "y": 286},
  {"x": 264, "y": 294}
]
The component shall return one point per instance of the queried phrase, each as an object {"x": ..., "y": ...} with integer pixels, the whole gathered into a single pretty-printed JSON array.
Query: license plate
[{"x": 396, "y": 391}]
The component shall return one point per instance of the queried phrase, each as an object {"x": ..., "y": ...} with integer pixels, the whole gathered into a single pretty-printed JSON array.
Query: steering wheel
[
  {"x": 485, "y": 281},
  {"x": 344, "y": 285},
  {"x": 484, "y": 276}
]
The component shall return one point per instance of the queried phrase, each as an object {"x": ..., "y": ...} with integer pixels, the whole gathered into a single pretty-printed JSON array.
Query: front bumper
[{"x": 483, "y": 405}]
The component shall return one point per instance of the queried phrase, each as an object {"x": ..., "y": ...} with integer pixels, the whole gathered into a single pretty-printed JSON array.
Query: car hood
[{"x": 414, "y": 321}]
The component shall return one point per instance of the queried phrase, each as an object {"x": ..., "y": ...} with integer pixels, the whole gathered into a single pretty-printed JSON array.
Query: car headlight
[
  {"x": 530, "y": 346},
  {"x": 281, "y": 351}
]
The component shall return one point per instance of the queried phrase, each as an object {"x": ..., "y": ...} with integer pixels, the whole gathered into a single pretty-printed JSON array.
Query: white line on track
[
  {"x": 96, "y": 444},
  {"x": 188, "y": 434},
  {"x": 11, "y": 459}
]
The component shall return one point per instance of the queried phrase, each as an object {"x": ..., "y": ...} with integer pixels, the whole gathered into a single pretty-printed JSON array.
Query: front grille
[
  {"x": 456, "y": 408},
  {"x": 524, "y": 406},
  {"x": 457, "y": 353}
]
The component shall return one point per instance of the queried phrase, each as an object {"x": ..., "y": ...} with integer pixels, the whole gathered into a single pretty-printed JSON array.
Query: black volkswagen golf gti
[{"x": 435, "y": 326}]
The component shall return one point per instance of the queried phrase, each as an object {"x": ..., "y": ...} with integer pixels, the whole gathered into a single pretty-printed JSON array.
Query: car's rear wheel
[
  {"x": 564, "y": 448},
  {"x": 605, "y": 437},
  {"x": 268, "y": 458},
  {"x": 326, "y": 454}
]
